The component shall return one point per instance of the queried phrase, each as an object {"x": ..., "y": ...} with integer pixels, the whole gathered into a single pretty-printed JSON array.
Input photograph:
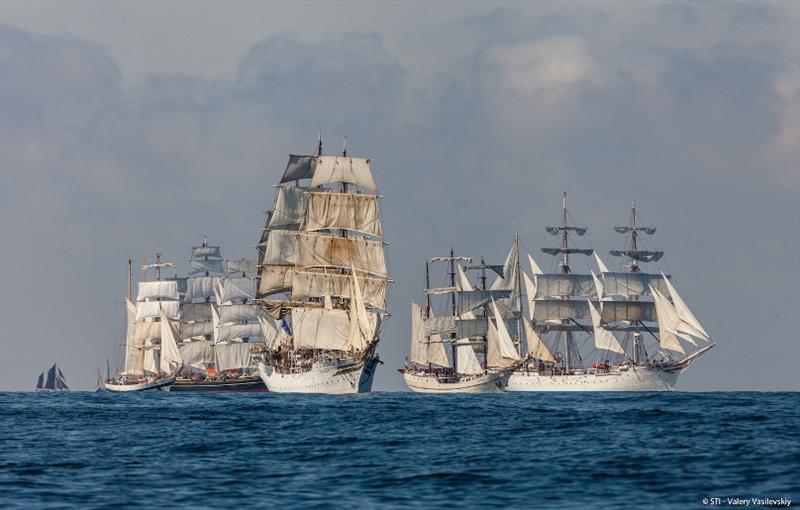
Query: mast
[
  {"x": 453, "y": 303},
  {"x": 130, "y": 279},
  {"x": 564, "y": 235},
  {"x": 158, "y": 266},
  {"x": 519, "y": 291},
  {"x": 427, "y": 286},
  {"x": 634, "y": 263}
]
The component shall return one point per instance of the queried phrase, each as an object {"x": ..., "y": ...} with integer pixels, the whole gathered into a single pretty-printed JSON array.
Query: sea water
[{"x": 398, "y": 450}]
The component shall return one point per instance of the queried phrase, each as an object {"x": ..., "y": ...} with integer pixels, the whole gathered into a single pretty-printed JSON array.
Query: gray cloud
[{"x": 669, "y": 105}]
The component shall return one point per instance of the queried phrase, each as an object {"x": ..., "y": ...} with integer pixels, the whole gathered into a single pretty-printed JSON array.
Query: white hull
[
  {"x": 483, "y": 383},
  {"x": 633, "y": 379},
  {"x": 324, "y": 377},
  {"x": 152, "y": 384}
]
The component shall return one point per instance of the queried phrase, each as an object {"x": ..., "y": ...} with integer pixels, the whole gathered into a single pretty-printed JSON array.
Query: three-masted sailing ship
[
  {"x": 322, "y": 277},
  {"x": 219, "y": 324},
  {"x": 53, "y": 381},
  {"x": 566, "y": 308},
  {"x": 151, "y": 351},
  {"x": 481, "y": 330}
]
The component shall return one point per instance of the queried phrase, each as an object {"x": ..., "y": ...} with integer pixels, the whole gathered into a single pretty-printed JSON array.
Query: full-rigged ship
[
  {"x": 322, "y": 277},
  {"x": 656, "y": 325},
  {"x": 478, "y": 330},
  {"x": 54, "y": 381},
  {"x": 151, "y": 351},
  {"x": 219, "y": 325}
]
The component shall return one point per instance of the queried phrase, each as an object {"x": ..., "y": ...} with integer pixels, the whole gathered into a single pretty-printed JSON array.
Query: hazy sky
[{"x": 131, "y": 128}]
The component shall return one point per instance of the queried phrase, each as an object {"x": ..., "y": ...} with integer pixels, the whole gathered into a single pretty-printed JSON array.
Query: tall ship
[
  {"x": 472, "y": 344},
  {"x": 322, "y": 277},
  {"x": 151, "y": 355},
  {"x": 635, "y": 329},
  {"x": 219, "y": 326},
  {"x": 52, "y": 380}
]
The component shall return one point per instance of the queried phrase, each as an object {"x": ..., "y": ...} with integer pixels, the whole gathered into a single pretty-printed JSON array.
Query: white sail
[
  {"x": 200, "y": 289},
  {"x": 347, "y": 211},
  {"x": 238, "y": 313},
  {"x": 530, "y": 291},
  {"x": 289, "y": 208},
  {"x": 342, "y": 169},
  {"x": 133, "y": 355},
  {"x": 495, "y": 345},
  {"x": 466, "y": 361},
  {"x": 232, "y": 356},
  {"x": 318, "y": 250},
  {"x": 299, "y": 167},
  {"x": 195, "y": 312},
  {"x": 233, "y": 332},
  {"x": 628, "y": 311},
  {"x": 505, "y": 345},
  {"x": 148, "y": 309},
  {"x": 631, "y": 284},
  {"x": 318, "y": 285},
  {"x": 199, "y": 355},
  {"x": 598, "y": 286},
  {"x": 561, "y": 309},
  {"x": 205, "y": 251},
  {"x": 463, "y": 281},
  {"x": 269, "y": 330},
  {"x": 562, "y": 285},
  {"x": 603, "y": 339},
  {"x": 243, "y": 266},
  {"x": 536, "y": 346},
  {"x": 317, "y": 328},
  {"x": 150, "y": 353},
  {"x": 161, "y": 289},
  {"x": 275, "y": 278},
  {"x": 535, "y": 269},
  {"x": 143, "y": 331},
  {"x": 198, "y": 330},
  {"x": 170, "y": 355},
  {"x": 508, "y": 280},
  {"x": 281, "y": 248},
  {"x": 209, "y": 267},
  {"x": 600, "y": 265},
  {"x": 668, "y": 320},
  {"x": 690, "y": 323},
  {"x": 362, "y": 328},
  {"x": 239, "y": 289}
]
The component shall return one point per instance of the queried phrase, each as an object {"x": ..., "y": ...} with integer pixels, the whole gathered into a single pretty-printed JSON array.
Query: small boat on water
[{"x": 54, "y": 381}]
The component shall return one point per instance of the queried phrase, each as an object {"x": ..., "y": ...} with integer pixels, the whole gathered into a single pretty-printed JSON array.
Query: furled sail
[
  {"x": 314, "y": 284},
  {"x": 289, "y": 208},
  {"x": 604, "y": 340},
  {"x": 562, "y": 285},
  {"x": 570, "y": 251},
  {"x": 557, "y": 230},
  {"x": 318, "y": 250},
  {"x": 346, "y": 211},
  {"x": 640, "y": 255},
  {"x": 161, "y": 289},
  {"x": 536, "y": 346},
  {"x": 343, "y": 169},
  {"x": 627, "y": 228}
]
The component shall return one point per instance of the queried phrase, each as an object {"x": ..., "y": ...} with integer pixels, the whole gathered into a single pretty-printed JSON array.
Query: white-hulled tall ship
[
  {"x": 567, "y": 308},
  {"x": 219, "y": 324},
  {"x": 481, "y": 330},
  {"x": 322, "y": 277},
  {"x": 151, "y": 351}
]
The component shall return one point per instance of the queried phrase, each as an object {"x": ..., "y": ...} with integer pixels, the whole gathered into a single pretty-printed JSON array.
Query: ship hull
[
  {"x": 633, "y": 379},
  {"x": 243, "y": 384},
  {"x": 484, "y": 383},
  {"x": 143, "y": 386},
  {"x": 327, "y": 377}
]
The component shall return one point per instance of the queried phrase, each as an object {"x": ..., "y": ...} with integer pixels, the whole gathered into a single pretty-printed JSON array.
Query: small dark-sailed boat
[{"x": 54, "y": 381}]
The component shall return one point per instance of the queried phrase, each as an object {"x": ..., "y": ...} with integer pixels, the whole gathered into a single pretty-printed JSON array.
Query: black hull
[{"x": 249, "y": 384}]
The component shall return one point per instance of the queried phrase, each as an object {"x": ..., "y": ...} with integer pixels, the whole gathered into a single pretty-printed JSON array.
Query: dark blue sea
[{"x": 397, "y": 450}]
